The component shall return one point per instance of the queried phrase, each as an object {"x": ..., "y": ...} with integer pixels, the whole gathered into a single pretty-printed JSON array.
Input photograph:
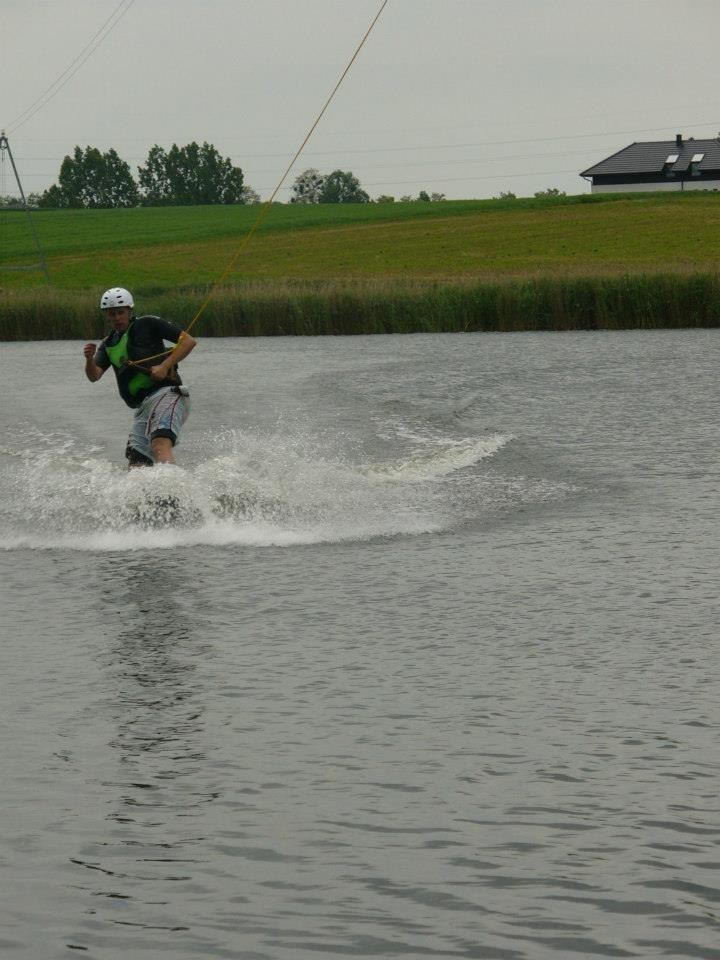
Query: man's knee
[{"x": 163, "y": 435}]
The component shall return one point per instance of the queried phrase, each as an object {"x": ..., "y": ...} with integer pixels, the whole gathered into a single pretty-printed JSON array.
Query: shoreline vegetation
[
  {"x": 341, "y": 309},
  {"x": 578, "y": 263}
]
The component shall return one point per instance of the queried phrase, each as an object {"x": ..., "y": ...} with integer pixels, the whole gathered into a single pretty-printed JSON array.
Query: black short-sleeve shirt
[{"x": 147, "y": 337}]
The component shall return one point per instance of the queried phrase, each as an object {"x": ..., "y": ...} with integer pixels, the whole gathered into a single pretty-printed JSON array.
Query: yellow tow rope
[{"x": 265, "y": 209}]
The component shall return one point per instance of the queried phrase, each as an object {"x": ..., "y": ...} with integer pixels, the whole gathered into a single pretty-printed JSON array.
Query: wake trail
[{"x": 264, "y": 491}]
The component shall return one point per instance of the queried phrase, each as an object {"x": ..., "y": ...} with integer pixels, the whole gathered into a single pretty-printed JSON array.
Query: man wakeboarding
[{"x": 146, "y": 373}]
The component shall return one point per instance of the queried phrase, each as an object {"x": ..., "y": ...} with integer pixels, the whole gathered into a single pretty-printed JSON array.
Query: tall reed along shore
[
  {"x": 580, "y": 303},
  {"x": 586, "y": 262}
]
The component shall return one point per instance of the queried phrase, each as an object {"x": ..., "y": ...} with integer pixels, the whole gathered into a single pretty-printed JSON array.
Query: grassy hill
[{"x": 305, "y": 261}]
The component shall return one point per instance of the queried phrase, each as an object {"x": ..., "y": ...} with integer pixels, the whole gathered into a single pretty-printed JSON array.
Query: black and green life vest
[
  {"x": 132, "y": 353},
  {"x": 118, "y": 357}
]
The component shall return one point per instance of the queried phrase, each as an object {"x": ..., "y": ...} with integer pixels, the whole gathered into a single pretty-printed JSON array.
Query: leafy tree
[
  {"x": 191, "y": 174},
  {"x": 308, "y": 187},
  {"x": 154, "y": 179},
  {"x": 423, "y": 197},
  {"x": 249, "y": 197},
  {"x": 385, "y": 198},
  {"x": 342, "y": 187},
  {"x": 311, "y": 186},
  {"x": 53, "y": 197},
  {"x": 550, "y": 192},
  {"x": 506, "y": 195},
  {"x": 92, "y": 179}
]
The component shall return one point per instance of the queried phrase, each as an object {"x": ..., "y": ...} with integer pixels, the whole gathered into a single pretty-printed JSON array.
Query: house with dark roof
[{"x": 659, "y": 165}]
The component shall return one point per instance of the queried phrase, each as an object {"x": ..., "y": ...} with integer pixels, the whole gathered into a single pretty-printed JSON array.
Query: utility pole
[{"x": 41, "y": 265}]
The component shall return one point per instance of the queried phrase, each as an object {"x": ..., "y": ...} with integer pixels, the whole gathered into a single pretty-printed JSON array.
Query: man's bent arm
[
  {"x": 92, "y": 371},
  {"x": 185, "y": 344}
]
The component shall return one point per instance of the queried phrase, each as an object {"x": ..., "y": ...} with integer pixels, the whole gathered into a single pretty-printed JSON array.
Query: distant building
[{"x": 659, "y": 165}]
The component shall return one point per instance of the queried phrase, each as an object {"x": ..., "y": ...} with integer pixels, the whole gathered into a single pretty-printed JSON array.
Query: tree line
[
  {"x": 341, "y": 186},
  {"x": 193, "y": 174},
  {"x": 190, "y": 175}
]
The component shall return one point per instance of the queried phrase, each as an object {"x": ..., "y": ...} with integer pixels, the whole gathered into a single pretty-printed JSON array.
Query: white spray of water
[{"x": 262, "y": 491}]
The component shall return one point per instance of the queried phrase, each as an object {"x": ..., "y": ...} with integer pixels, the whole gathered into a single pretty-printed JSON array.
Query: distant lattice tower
[{"x": 41, "y": 264}]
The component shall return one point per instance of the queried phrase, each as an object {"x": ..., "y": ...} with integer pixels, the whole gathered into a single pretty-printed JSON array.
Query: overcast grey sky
[{"x": 462, "y": 97}]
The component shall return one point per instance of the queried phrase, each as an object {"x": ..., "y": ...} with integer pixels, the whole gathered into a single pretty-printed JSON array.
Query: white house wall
[{"x": 655, "y": 187}]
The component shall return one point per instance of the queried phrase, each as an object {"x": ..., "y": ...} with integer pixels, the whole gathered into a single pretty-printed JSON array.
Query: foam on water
[
  {"x": 439, "y": 459},
  {"x": 261, "y": 491}
]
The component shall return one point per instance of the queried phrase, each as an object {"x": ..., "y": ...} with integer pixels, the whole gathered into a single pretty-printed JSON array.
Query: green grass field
[{"x": 304, "y": 261}]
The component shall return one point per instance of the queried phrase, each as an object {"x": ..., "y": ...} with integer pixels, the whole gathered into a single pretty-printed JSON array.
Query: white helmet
[{"x": 116, "y": 297}]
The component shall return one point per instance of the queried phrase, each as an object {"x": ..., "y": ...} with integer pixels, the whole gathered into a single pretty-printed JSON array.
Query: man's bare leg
[{"x": 162, "y": 449}]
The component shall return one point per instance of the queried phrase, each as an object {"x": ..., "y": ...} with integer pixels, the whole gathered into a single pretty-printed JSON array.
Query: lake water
[{"x": 429, "y": 669}]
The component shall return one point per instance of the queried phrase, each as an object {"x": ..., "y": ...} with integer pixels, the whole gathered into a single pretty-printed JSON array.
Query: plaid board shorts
[{"x": 162, "y": 414}]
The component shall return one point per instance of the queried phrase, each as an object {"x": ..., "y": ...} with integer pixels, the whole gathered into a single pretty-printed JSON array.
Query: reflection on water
[{"x": 154, "y": 696}]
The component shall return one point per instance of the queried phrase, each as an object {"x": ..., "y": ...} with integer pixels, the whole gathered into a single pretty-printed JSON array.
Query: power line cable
[
  {"x": 715, "y": 124},
  {"x": 97, "y": 38},
  {"x": 481, "y": 176}
]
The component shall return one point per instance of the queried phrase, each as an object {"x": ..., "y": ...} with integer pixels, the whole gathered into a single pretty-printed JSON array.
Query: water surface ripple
[{"x": 428, "y": 669}]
